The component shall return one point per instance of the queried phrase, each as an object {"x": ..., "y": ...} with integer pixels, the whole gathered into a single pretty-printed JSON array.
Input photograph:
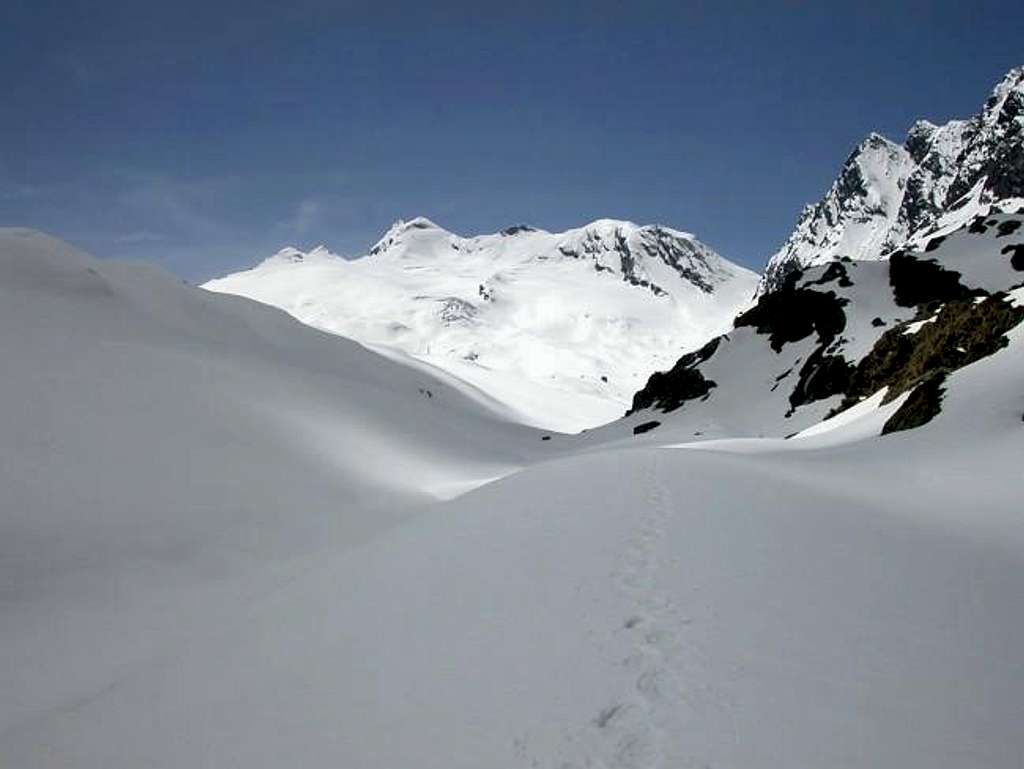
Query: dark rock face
[
  {"x": 1007, "y": 227},
  {"x": 851, "y": 179},
  {"x": 821, "y": 377},
  {"x": 1006, "y": 172},
  {"x": 681, "y": 255},
  {"x": 645, "y": 427},
  {"x": 776, "y": 277},
  {"x": 688, "y": 258},
  {"x": 919, "y": 140},
  {"x": 835, "y": 272},
  {"x": 993, "y": 148},
  {"x": 668, "y": 390},
  {"x": 629, "y": 266},
  {"x": 978, "y": 226},
  {"x": 516, "y": 229},
  {"x": 791, "y": 314},
  {"x": 917, "y": 281},
  {"x": 1016, "y": 253}
]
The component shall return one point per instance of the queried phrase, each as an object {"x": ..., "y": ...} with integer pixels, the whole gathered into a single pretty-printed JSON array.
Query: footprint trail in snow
[{"x": 634, "y": 730}]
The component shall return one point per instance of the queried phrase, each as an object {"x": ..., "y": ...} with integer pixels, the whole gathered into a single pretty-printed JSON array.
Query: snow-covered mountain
[
  {"x": 562, "y": 328},
  {"x": 865, "y": 335},
  {"x": 887, "y": 193},
  {"x": 909, "y": 269}
]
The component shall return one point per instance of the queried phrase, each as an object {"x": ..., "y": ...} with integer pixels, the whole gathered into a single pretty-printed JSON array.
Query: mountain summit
[
  {"x": 887, "y": 193},
  {"x": 559, "y": 328}
]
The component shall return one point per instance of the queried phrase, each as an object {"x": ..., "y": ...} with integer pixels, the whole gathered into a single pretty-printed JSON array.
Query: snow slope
[
  {"x": 887, "y": 193},
  {"x": 97, "y": 339},
  {"x": 157, "y": 440},
  {"x": 223, "y": 542},
  {"x": 637, "y": 607},
  {"x": 562, "y": 328}
]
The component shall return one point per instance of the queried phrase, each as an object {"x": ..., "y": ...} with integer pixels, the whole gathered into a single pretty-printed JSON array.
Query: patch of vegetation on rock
[
  {"x": 920, "y": 407},
  {"x": 668, "y": 390},
  {"x": 962, "y": 332},
  {"x": 790, "y": 314},
  {"x": 917, "y": 282}
]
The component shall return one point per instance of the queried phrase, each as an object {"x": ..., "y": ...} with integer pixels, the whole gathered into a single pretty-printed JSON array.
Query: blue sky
[{"x": 206, "y": 135}]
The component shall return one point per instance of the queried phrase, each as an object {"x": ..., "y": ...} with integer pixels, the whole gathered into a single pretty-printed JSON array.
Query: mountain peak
[
  {"x": 875, "y": 141},
  {"x": 1006, "y": 97},
  {"x": 288, "y": 254},
  {"x": 417, "y": 223},
  {"x": 607, "y": 223},
  {"x": 401, "y": 230},
  {"x": 293, "y": 255},
  {"x": 887, "y": 193}
]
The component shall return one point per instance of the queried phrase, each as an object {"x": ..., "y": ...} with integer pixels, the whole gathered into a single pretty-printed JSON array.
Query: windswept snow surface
[
  {"x": 561, "y": 328},
  {"x": 199, "y": 571},
  {"x": 157, "y": 441}
]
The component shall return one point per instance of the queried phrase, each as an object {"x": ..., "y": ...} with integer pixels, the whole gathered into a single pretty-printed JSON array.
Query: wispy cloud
[
  {"x": 185, "y": 207},
  {"x": 308, "y": 215},
  {"x": 11, "y": 191}
]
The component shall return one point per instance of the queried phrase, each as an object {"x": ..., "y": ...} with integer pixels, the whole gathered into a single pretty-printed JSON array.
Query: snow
[
  {"x": 860, "y": 421},
  {"x": 159, "y": 441},
  {"x": 228, "y": 539},
  {"x": 912, "y": 328},
  {"x": 545, "y": 324},
  {"x": 979, "y": 257}
]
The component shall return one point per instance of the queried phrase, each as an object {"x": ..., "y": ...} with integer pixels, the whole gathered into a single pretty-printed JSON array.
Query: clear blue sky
[{"x": 206, "y": 135}]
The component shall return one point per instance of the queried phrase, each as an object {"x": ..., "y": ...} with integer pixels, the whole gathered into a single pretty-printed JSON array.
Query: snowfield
[
  {"x": 230, "y": 540},
  {"x": 559, "y": 328}
]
